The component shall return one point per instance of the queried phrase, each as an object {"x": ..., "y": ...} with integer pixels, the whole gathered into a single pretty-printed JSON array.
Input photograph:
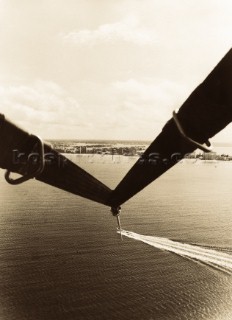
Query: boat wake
[{"x": 210, "y": 257}]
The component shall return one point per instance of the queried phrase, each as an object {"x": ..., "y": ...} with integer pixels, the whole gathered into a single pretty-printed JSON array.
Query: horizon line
[{"x": 138, "y": 140}]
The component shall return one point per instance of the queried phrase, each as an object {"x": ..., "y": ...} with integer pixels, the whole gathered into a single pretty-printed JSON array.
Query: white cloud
[
  {"x": 41, "y": 107},
  {"x": 133, "y": 109},
  {"x": 140, "y": 68},
  {"x": 127, "y": 30},
  {"x": 151, "y": 98},
  {"x": 130, "y": 109}
]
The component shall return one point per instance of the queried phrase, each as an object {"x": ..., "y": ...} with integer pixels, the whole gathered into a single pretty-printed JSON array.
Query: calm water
[{"x": 61, "y": 257}]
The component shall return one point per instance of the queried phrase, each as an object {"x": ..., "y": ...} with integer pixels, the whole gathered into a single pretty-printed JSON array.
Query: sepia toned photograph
[{"x": 115, "y": 160}]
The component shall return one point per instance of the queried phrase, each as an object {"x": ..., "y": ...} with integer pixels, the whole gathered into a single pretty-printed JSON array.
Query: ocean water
[{"x": 62, "y": 258}]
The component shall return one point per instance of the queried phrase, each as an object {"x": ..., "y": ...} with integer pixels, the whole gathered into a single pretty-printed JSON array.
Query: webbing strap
[
  {"x": 206, "y": 112},
  {"x": 18, "y": 154}
]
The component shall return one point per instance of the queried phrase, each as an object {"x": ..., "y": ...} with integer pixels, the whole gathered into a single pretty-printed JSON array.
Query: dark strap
[
  {"x": 19, "y": 153},
  {"x": 206, "y": 112}
]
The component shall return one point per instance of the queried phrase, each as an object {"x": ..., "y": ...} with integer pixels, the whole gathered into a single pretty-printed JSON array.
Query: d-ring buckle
[
  {"x": 33, "y": 174},
  {"x": 181, "y": 130}
]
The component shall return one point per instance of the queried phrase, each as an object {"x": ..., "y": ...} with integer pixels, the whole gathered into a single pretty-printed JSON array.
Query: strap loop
[
  {"x": 33, "y": 174},
  {"x": 181, "y": 130}
]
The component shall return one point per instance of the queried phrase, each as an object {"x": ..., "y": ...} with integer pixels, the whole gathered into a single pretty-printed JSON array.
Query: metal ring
[
  {"x": 33, "y": 174},
  {"x": 181, "y": 130},
  {"x": 115, "y": 210}
]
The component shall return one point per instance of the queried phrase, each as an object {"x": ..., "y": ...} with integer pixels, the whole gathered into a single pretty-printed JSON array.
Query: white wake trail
[{"x": 217, "y": 259}]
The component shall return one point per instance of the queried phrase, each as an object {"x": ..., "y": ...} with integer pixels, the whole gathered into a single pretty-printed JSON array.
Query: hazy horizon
[{"x": 215, "y": 144}]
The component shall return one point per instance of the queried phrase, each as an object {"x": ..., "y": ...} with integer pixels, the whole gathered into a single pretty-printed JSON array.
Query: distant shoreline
[
  {"x": 90, "y": 157},
  {"x": 129, "y": 148},
  {"x": 118, "y": 141}
]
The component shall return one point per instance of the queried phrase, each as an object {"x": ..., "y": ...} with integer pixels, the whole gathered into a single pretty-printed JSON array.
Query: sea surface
[{"x": 62, "y": 258}]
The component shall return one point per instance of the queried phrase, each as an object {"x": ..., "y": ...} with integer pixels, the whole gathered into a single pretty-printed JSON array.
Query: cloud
[
  {"x": 41, "y": 107},
  {"x": 150, "y": 98},
  {"x": 133, "y": 108},
  {"x": 129, "y": 109},
  {"x": 127, "y": 30}
]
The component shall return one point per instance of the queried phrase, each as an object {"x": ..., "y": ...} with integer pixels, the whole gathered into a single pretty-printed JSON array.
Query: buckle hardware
[
  {"x": 184, "y": 135},
  {"x": 33, "y": 174}
]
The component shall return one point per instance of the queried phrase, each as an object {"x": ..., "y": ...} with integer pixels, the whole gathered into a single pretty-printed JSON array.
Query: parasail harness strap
[
  {"x": 206, "y": 112},
  {"x": 27, "y": 155},
  {"x": 37, "y": 171}
]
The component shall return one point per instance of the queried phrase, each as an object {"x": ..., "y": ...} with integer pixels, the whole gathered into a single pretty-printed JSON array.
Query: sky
[{"x": 106, "y": 69}]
